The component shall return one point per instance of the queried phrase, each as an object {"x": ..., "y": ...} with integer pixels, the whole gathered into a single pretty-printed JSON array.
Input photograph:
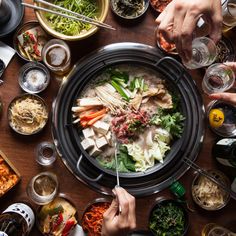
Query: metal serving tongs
[{"x": 209, "y": 176}]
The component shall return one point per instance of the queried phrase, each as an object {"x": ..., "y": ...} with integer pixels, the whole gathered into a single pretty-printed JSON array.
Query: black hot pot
[{"x": 67, "y": 137}]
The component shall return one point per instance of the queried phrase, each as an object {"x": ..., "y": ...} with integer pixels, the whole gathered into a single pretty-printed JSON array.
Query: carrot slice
[
  {"x": 93, "y": 114},
  {"x": 83, "y": 123},
  {"x": 91, "y": 122}
]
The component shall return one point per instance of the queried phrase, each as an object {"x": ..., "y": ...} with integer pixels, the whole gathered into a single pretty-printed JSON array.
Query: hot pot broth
[{"x": 134, "y": 107}]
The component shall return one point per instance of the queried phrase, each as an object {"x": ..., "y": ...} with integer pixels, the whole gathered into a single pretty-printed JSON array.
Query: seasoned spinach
[{"x": 167, "y": 220}]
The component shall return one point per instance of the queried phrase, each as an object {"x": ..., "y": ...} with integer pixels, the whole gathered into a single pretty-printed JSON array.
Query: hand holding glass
[
  {"x": 218, "y": 78},
  {"x": 204, "y": 53}
]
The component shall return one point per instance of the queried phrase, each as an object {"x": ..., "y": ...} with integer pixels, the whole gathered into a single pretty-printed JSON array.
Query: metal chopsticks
[
  {"x": 80, "y": 18},
  {"x": 69, "y": 11},
  {"x": 209, "y": 176}
]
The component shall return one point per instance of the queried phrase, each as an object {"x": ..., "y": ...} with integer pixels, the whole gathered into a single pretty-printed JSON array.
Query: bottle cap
[{"x": 177, "y": 189}]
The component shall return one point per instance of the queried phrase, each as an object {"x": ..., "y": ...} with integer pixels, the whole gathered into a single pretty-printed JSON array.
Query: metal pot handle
[
  {"x": 85, "y": 176},
  {"x": 177, "y": 65}
]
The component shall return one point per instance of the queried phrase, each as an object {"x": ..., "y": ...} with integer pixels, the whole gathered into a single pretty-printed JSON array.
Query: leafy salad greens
[{"x": 68, "y": 26}]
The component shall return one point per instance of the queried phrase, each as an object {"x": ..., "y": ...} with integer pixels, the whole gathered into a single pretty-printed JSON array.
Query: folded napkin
[{"x": 6, "y": 53}]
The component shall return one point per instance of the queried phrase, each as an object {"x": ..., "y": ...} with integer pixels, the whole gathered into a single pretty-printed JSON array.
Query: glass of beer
[
  {"x": 229, "y": 15},
  {"x": 43, "y": 188},
  {"x": 56, "y": 56}
]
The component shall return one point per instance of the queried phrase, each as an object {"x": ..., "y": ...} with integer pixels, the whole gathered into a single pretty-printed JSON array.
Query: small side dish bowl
[
  {"x": 103, "y": 6},
  {"x": 34, "y": 77},
  {"x": 93, "y": 215},
  {"x": 27, "y": 114},
  {"x": 166, "y": 47},
  {"x": 129, "y": 10},
  {"x": 29, "y": 40},
  {"x": 221, "y": 118},
  {"x": 9, "y": 175},
  {"x": 162, "y": 212},
  {"x": 226, "y": 50},
  {"x": 209, "y": 195},
  {"x": 61, "y": 214},
  {"x": 159, "y": 5}
]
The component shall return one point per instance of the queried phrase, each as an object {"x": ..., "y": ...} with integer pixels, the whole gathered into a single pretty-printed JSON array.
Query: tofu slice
[
  {"x": 88, "y": 143},
  {"x": 88, "y": 132},
  {"x": 101, "y": 127},
  {"x": 109, "y": 137},
  {"x": 83, "y": 102},
  {"x": 101, "y": 142},
  {"x": 95, "y": 151}
]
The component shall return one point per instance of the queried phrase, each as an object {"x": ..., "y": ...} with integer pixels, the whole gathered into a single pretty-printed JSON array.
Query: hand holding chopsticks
[{"x": 75, "y": 16}]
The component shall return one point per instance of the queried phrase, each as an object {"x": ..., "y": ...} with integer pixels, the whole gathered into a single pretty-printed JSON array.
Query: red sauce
[
  {"x": 160, "y": 5},
  {"x": 168, "y": 47}
]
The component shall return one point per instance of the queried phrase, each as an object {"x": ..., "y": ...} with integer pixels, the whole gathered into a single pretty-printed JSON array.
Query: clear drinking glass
[
  {"x": 229, "y": 15},
  {"x": 204, "y": 53},
  {"x": 57, "y": 56},
  {"x": 46, "y": 154},
  {"x": 218, "y": 78},
  {"x": 43, "y": 188}
]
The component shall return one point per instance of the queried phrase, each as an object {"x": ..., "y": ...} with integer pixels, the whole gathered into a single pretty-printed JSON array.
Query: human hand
[
  {"x": 117, "y": 223},
  {"x": 178, "y": 22},
  {"x": 226, "y": 97}
]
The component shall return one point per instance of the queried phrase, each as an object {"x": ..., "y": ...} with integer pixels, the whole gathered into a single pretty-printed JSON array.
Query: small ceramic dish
[
  {"x": 221, "y": 117},
  {"x": 29, "y": 40},
  {"x": 127, "y": 11},
  {"x": 162, "y": 212},
  {"x": 61, "y": 208},
  {"x": 91, "y": 224},
  {"x": 34, "y": 77},
  {"x": 9, "y": 176},
  {"x": 17, "y": 14},
  {"x": 59, "y": 32},
  {"x": 226, "y": 50},
  {"x": 27, "y": 114},
  {"x": 166, "y": 47},
  {"x": 209, "y": 195},
  {"x": 159, "y": 5}
]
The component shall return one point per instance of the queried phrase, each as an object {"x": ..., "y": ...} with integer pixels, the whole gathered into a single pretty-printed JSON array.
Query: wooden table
[{"x": 21, "y": 150}]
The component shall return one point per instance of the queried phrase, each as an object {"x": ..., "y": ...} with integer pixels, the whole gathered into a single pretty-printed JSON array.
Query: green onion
[{"x": 122, "y": 91}]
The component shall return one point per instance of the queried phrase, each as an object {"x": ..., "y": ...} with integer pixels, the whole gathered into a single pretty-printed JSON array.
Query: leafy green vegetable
[
  {"x": 118, "y": 76},
  {"x": 172, "y": 122},
  {"x": 125, "y": 161},
  {"x": 167, "y": 220},
  {"x": 68, "y": 26},
  {"x": 121, "y": 90},
  {"x": 138, "y": 84}
]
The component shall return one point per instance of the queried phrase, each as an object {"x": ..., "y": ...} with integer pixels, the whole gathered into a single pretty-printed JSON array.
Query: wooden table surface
[{"x": 21, "y": 150}]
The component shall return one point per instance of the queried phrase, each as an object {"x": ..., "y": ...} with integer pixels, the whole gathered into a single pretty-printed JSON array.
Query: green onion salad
[{"x": 68, "y": 26}]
